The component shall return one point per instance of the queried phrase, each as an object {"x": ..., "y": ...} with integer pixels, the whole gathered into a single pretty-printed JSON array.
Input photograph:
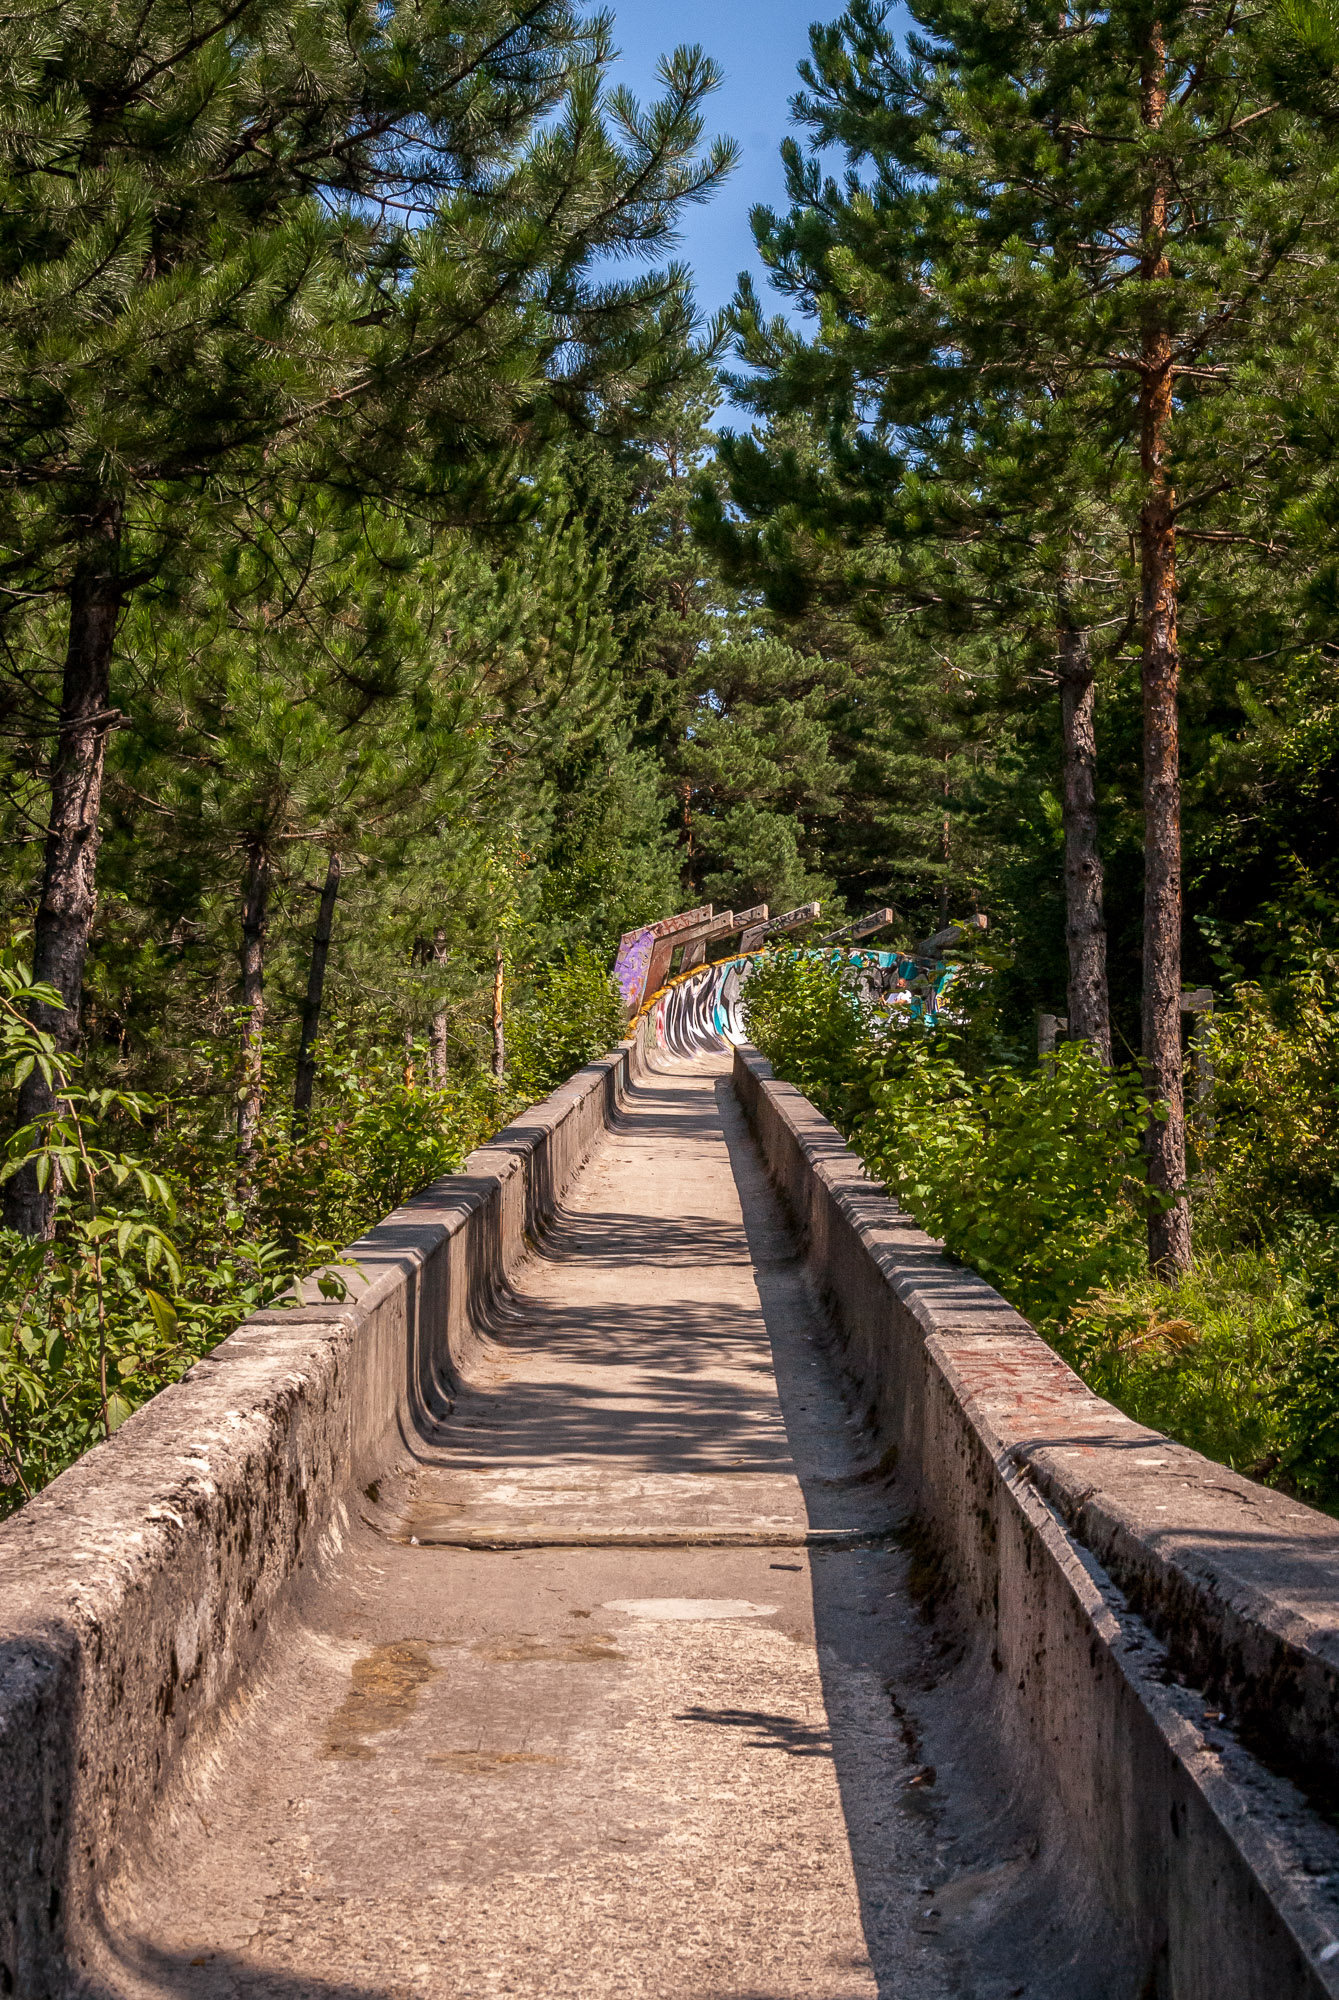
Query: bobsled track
[
  {"x": 666, "y": 1575},
  {"x": 701, "y": 1010}
]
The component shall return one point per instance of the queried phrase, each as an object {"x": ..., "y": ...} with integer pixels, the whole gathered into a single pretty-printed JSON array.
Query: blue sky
[{"x": 758, "y": 44}]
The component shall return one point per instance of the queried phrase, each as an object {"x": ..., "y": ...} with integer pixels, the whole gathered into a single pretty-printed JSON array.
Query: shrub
[
  {"x": 572, "y": 1014},
  {"x": 149, "y": 1271},
  {"x": 1034, "y": 1179},
  {"x": 805, "y": 1016},
  {"x": 1211, "y": 1360},
  {"x": 1270, "y": 1149}
]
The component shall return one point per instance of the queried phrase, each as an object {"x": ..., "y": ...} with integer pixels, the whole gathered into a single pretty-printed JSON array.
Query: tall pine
[
  {"x": 1096, "y": 228},
  {"x": 367, "y": 242}
]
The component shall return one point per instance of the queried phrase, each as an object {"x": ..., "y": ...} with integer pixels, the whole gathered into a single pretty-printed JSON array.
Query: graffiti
[
  {"x": 644, "y": 955},
  {"x": 632, "y": 964},
  {"x": 756, "y": 933},
  {"x": 702, "y": 1010}
]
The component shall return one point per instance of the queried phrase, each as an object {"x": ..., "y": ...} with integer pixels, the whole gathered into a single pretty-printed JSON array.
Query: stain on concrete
[
  {"x": 482, "y": 1763},
  {"x": 695, "y": 1609},
  {"x": 522, "y": 1647},
  {"x": 384, "y": 1691}
]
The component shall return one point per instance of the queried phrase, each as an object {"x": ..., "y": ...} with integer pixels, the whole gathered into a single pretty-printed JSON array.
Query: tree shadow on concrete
[
  {"x": 771, "y": 1732},
  {"x": 133, "y": 1968}
]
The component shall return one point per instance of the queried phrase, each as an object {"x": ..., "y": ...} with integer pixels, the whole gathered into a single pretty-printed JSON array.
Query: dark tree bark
[
  {"x": 945, "y": 850},
  {"x": 1169, "y": 1233},
  {"x": 311, "y": 1013},
  {"x": 1085, "y": 924},
  {"x": 255, "y": 912},
  {"x": 69, "y": 875}
]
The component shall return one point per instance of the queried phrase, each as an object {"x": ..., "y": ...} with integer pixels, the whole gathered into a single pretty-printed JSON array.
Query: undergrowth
[
  {"x": 151, "y": 1266},
  {"x": 1033, "y": 1173}
]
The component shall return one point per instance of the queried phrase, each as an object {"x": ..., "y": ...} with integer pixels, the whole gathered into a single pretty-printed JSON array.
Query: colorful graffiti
[
  {"x": 647, "y": 954},
  {"x": 632, "y": 964},
  {"x": 702, "y": 1010},
  {"x": 699, "y": 1007}
]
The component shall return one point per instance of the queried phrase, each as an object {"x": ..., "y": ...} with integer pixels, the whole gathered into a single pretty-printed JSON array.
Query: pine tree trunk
[
  {"x": 944, "y": 852},
  {"x": 1085, "y": 925},
  {"x": 304, "y": 1081},
  {"x": 437, "y": 1038},
  {"x": 437, "y": 1050},
  {"x": 499, "y": 1035},
  {"x": 69, "y": 877},
  {"x": 1169, "y": 1237},
  {"x": 255, "y": 911}
]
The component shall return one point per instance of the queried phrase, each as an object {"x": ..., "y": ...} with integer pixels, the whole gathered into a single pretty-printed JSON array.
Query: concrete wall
[
  {"x": 1116, "y": 1590},
  {"x": 134, "y": 1591},
  {"x": 1120, "y": 1592}
]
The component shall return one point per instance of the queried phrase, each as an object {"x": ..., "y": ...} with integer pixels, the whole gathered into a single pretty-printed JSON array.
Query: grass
[{"x": 1213, "y": 1361}]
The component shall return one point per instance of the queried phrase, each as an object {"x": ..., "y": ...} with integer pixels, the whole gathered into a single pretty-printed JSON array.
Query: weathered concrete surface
[
  {"x": 136, "y": 1591},
  {"x": 590, "y": 1768},
  {"x": 1129, "y": 1732},
  {"x": 547, "y": 1620}
]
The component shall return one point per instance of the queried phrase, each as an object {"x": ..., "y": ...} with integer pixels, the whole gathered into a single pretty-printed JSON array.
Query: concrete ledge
[
  {"x": 134, "y": 1590},
  {"x": 1124, "y": 1591}
]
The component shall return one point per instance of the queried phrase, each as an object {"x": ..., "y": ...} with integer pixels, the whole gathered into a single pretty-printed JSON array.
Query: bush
[
  {"x": 572, "y": 1014},
  {"x": 805, "y": 1016},
  {"x": 1270, "y": 1150},
  {"x": 149, "y": 1271},
  {"x": 1212, "y": 1361},
  {"x": 1035, "y": 1178}
]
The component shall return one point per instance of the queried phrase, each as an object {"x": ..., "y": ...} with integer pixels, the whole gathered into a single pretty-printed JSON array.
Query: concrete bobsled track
[{"x": 668, "y": 1577}]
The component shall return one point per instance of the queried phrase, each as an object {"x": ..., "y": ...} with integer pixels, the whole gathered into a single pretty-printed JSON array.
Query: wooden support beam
[{"x": 791, "y": 920}]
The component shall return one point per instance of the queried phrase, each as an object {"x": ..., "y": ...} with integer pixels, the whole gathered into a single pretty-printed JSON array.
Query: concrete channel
[{"x": 666, "y": 1576}]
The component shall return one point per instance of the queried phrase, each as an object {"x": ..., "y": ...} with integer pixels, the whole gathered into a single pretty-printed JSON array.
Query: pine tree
[
  {"x": 367, "y": 243},
  {"x": 1091, "y": 228}
]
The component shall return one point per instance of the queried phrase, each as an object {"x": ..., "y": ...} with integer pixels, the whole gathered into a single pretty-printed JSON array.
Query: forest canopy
[{"x": 405, "y": 590}]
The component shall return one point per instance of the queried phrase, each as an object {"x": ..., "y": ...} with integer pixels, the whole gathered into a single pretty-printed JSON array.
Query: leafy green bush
[
  {"x": 572, "y": 1013},
  {"x": 1212, "y": 1360},
  {"x": 806, "y": 1018},
  {"x": 1269, "y": 1150},
  {"x": 1035, "y": 1179},
  {"x": 149, "y": 1270}
]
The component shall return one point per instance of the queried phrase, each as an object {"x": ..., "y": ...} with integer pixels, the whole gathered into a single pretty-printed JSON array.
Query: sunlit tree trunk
[
  {"x": 255, "y": 911},
  {"x": 1169, "y": 1236},
  {"x": 437, "y": 1037},
  {"x": 499, "y": 1031},
  {"x": 1085, "y": 924}
]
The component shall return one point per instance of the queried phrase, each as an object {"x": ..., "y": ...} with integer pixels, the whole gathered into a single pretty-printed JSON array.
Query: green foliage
[
  {"x": 573, "y": 1014},
  {"x": 806, "y": 1018},
  {"x": 1216, "y": 1361},
  {"x": 148, "y": 1270},
  {"x": 1270, "y": 1150},
  {"x": 63, "y": 1306},
  {"x": 1035, "y": 1179}
]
